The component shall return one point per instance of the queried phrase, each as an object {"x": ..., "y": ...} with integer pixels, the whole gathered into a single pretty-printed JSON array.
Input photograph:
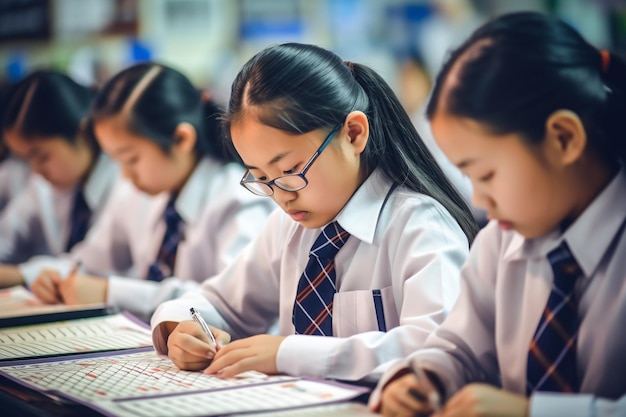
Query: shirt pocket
[{"x": 364, "y": 311}]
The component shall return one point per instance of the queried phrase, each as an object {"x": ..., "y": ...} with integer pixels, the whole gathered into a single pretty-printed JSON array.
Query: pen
[
  {"x": 432, "y": 395},
  {"x": 198, "y": 319}
]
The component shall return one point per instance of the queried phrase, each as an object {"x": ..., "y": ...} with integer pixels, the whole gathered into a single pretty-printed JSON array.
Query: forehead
[
  {"x": 461, "y": 139},
  {"x": 114, "y": 132},
  {"x": 257, "y": 143},
  {"x": 20, "y": 145}
]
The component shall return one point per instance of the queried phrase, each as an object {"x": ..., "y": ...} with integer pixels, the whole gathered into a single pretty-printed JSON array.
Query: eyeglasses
[{"x": 289, "y": 182}]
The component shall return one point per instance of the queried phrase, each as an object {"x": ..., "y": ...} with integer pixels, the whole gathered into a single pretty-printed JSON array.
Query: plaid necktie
[
  {"x": 552, "y": 353},
  {"x": 81, "y": 213},
  {"x": 313, "y": 308},
  {"x": 163, "y": 266}
]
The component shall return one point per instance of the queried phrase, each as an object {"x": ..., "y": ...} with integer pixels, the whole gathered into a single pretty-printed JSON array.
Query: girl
[
  {"x": 330, "y": 143},
  {"x": 56, "y": 207},
  {"x": 532, "y": 114},
  {"x": 151, "y": 119}
]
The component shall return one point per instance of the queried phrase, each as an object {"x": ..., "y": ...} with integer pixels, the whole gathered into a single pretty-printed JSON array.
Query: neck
[{"x": 592, "y": 180}]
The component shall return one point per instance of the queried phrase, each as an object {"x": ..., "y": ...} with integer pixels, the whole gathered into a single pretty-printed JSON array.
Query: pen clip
[{"x": 205, "y": 327}]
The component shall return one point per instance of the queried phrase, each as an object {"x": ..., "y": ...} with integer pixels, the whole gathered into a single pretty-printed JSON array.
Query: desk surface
[{"x": 18, "y": 401}]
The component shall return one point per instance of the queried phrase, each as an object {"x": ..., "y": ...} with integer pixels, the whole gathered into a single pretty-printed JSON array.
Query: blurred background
[{"x": 208, "y": 40}]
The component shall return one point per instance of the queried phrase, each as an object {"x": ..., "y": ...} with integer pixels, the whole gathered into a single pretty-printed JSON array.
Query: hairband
[
  {"x": 350, "y": 65},
  {"x": 606, "y": 59}
]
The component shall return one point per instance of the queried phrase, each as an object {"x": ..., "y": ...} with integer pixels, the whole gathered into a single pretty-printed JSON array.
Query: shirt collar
[
  {"x": 589, "y": 236},
  {"x": 194, "y": 194},
  {"x": 359, "y": 217},
  {"x": 99, "y": 183}
]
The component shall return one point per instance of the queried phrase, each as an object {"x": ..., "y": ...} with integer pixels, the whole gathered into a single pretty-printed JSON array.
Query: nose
[
  {"x": 282, "y": 197},
  {"x": 128, "y": 174},
  {"x": 482, "y": 200}
]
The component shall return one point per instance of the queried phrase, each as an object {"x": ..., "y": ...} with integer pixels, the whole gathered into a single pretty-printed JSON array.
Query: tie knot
[
  {"x": 564, "y": 267},
  {"x": 328, "y": 243}
]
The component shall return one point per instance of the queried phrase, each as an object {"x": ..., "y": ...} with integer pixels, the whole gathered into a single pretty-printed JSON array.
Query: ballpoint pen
[
  {"x": 432, "y": 396},
  {"x": 198, "y": 319}
]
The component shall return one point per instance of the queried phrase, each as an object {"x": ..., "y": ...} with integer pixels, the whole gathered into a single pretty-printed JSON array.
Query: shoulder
[{"x": 420, "y": 211}]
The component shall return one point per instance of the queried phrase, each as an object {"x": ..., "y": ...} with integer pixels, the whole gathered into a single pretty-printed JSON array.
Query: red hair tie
[
  {"x": 350, "y": 65},
  {"x": 606, "y": 59}
]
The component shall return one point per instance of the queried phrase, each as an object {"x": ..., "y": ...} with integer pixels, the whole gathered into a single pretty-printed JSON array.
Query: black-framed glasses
[{"x": 289, "y": 182}]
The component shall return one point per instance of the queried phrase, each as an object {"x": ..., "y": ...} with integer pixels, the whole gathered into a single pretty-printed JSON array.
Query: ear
[
  {"x": 358, "y": 130},
  {"x": 566, "y": 136},
  {"x": 185, "y": 137}
]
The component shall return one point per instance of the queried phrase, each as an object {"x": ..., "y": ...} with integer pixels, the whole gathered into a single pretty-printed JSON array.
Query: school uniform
[
  {"x": 405, "y": 250},
  {"x": 219, "y": 218},
  {"x": 39, "y": 220},
  {"x": 14, "y": 174},
  {"x": 505, "y": 286}
]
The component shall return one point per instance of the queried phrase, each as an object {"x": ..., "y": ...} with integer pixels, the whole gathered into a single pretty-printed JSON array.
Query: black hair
[
  {"x": 516, "y": 70},
  {"x": 154, "y": 99},
  {"x": 47, "y": 103},
  {"x": 299, "y": 88}
]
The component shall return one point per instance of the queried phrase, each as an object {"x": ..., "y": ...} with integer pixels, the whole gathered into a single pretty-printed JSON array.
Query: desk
[{"x": 18, "y": 401}]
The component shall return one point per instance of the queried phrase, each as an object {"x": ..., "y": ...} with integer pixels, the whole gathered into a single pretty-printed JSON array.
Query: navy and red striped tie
[
  {"x": 552, "y": 353},
  {"x": 313, "y": 307}
]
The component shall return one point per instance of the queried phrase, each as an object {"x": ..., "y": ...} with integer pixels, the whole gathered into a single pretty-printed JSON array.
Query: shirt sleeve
[
  {"x": 19, "y": 226},
  {"x": 462, "y": 349},
  {"x": 242, "y": 300},
  {"x": 547, "y": 404}
]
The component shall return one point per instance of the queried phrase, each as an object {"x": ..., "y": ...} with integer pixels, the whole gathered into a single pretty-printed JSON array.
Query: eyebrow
[
  {"x": 121, "y": 150},
  {"x": 465, "y": 163},
  {"x": 33, "y": 152},
  {"x": 273, "y": 161}
]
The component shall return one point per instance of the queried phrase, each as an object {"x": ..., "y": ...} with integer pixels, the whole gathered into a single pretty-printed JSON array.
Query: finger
[
  {"x": 192, "y": 346},
  {"x": 222, "y": 337},
  {"x": 45, "y": 290},
  {"x": 227, "y": 356},
  {"x": 248, "y": 363}
]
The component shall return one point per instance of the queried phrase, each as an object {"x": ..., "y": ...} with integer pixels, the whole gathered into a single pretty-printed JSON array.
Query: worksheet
[
  {"x": 145, "y": 384},
  {"x": 111, "y": 332}
]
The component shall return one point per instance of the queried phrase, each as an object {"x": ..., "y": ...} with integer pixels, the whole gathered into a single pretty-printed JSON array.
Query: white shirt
[
  {"x": 14, "y": 174},
  {"x": 404, "y": 244},
  {"x": 505, "y": 286},
  {"x": 219, "y": 218},
  {"x": 38, "y": 220}
]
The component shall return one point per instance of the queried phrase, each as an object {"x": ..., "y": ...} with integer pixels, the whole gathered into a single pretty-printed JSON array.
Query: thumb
[{"x": 221, "y": 336}]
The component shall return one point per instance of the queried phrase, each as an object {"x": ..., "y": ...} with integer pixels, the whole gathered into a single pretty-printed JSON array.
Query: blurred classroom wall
[{"x": 209, "y": 40}]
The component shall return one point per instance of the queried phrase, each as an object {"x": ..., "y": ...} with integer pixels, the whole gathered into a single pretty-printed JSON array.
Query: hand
[
  {"x": 485, "y": 401},
  {"x": 401, "y": 397},
  {"x": 83, "y": 289},
  {"x": 256, "y": 353},
  {"x": 46, "y": 287},
  {"x": 190, "y": 348}
]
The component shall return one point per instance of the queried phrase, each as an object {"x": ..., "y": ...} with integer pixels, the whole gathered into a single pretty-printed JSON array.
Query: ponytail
[{"x": 397, "y": 149}]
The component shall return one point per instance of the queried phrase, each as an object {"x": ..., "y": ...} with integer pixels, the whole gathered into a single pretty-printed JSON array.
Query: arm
[
  {"x": 242, "y": 300},
  {"x": 224, "y": 228},
  {"x": 21, "y": 231}
]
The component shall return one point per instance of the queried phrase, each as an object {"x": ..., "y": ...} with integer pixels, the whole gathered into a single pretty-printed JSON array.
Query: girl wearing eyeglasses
[
  {"x": 329, "y": 142},
  {"x": 182, "y": 221},
  {"x": 43, "y": 124}
]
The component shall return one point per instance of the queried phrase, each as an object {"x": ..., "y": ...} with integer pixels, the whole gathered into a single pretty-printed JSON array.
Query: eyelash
[
  {"x": 131, "y": 161},
  {"x": 486, "y": 177},
  {"x": 288, "y": 172}
]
